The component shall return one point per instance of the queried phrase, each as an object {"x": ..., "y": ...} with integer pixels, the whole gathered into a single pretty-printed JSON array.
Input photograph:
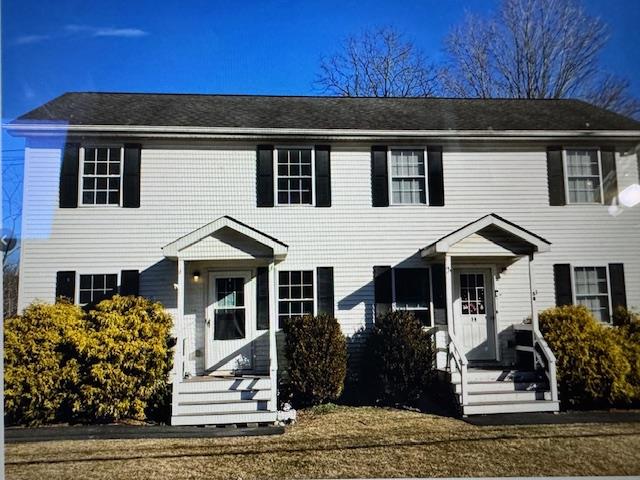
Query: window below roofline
[
  {"x": 428, "y": 308},
  {"x": 576, "y": 296},
  {"x": 565, "y": 169},
  {"x": 302, "y": 299},
  {"x": 276, "y": 176},
  {"x": 81, "y": 176},
  {"x": 423, "y": 177}
]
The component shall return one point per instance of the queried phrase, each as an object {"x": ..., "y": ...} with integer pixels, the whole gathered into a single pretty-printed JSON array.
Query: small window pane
[
  {"x": 101, "y": 198},
  {"x": 102, "y": 154},
  {"x": 229, "y": 324}
]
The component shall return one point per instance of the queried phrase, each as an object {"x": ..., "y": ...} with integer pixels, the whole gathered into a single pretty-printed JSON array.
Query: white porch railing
[
  {"x": 542, "y": 355},
  {"x": 458, "y": 359}
]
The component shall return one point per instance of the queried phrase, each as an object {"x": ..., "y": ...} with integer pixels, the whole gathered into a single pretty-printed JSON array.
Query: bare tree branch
[{"x": 378, "y": 63}]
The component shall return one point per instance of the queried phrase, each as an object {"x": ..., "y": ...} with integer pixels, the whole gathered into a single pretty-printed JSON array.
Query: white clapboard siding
[{"x": 185, "y": 186}]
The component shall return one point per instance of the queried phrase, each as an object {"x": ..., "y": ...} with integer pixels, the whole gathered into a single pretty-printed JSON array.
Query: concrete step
[
  {"x": 503, "y": 386},
  {"x": 225, "y": 395},
  {"x": 487, "y": 408},
  {"x": 224, "y": 418},
  {"x": 222, "y": 384},
  {"x": 497, "y": 397},
  {"x": 212, "y": 407},
  {"x": 480, "y": 375}
]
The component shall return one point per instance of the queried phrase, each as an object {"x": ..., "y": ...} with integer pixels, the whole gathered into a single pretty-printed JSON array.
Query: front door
[
  {"x": 474, "y": 313},
  {"x": 229, "y": 322}
]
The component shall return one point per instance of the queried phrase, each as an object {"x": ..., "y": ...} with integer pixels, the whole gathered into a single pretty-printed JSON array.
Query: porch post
[
  {"x": 448, "y": 273},
  {"x": 273, "y": 350},
  {"x": 178, "y": 358},
  {"x": 534, "y": 310}
]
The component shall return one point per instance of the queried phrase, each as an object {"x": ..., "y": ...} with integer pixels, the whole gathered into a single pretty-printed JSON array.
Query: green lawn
[{"x": 346, "y": 442}]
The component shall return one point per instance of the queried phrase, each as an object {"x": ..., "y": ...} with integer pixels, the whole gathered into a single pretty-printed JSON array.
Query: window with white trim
[
  {"x": 97, "y": 287},
  {"x": 592, "y": 290},
  {"x": 412, "y": 292},
  {"x": 583, "y": 176},
  {"x": 295, "y": 176},
  {"x": 295, "y": 294},
  {"x": 101, "y": 175},
  {"x": 408, "y": 177}
]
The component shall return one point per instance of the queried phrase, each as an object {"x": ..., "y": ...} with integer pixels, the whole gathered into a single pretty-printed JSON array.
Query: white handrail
[
  {"x": 550, "y": 367},
  {"x": 455, "y": 353}
]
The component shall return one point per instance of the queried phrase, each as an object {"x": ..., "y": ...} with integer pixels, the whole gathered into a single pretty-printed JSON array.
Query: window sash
[
  {"x": 95, "y": 185},
  {"x": 411, "y": 302},
  {"x": 94, "y": 287},
  {"x": 583, "y": 175},
  {"x": 294, "y": 174},
  {"x": 591, "y": 289},
  {"x": 407, "y": 176},
  {"x": 296, "y": 294}
]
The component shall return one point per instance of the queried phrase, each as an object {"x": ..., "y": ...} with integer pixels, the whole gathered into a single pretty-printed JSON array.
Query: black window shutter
[
  {"x": 379, "y": 177},
  {"x": 435, "y": 176},
  {"x": 262, "y": 298},
  {"x": 69, "y": 176},
  {"x": 323, "y": 176},
  {"x": 618, "y": 290},
  {"x": 129, "y": 282},
  {"x": 382, "y": 289},
  {"x": 609, "y": 177},
  {"x": 66, "y": 285},
  {"x": 562, "y": 281},
  {"x": 325, "y": 291},
  {"x": 438, "y": 286},
  {"x": 131, "y": 177},
  {"x": 264, "y": 176},
  {"x": 555, "y": 174}
]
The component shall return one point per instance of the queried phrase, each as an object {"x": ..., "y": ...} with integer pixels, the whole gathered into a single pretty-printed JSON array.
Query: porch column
[
  {"x": 178, "y": 358},
  {"x": 273, "y": 350},
  {"x": 533, "y": 293},
  {"x": 448, "y": 273}
]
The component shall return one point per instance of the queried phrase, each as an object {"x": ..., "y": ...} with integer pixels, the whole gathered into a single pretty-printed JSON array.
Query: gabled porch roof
[
  {"x": 514, "y": 238},
  {"x": 179, "y": 247}
]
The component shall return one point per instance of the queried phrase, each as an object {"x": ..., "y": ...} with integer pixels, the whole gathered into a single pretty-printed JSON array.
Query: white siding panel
[{"x": 186, "y": 187}]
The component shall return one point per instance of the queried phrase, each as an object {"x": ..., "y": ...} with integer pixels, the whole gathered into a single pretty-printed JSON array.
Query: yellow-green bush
[
  {"x": 42, "y": 371},
  {"x": 127, "y": 360},
  {"x": 628, "y": 329},
  {"x": 65, "y": 364},
  {"x": 593, "y": 368},
  {"x": 316, "y": 352}
]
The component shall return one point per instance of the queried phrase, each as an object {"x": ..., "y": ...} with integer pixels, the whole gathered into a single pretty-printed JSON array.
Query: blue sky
[{"x": 223, "y": 47}]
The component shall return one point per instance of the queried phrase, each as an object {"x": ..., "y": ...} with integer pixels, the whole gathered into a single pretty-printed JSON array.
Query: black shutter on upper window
[
  {"x": 435, "y": 176},
  {"x": 438, "y": 286},
  {"x": 68, "y": 197},
  {"x": 382, "y": 290},
  {"x": 618, "y": 289},
  {"x": 379, "y": 177},
  {"x": 323, "y": 176},
  {"x": 66, "y": 285},
  {"x": 129, "y": 282},
  {"x": 609, "y": 176},
  {"x": 325, "y": 290},
  {"x": 264, "y": 176},
  {"x": 555, "y": 175},
  {"x": 131, "y": 177},
  {"x": 562, "y": 281}
]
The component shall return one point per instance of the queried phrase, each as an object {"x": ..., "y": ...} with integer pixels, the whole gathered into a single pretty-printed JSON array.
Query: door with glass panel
[
  {"x": 230, "y": 322},
  {"x": 473, "y": 309}
]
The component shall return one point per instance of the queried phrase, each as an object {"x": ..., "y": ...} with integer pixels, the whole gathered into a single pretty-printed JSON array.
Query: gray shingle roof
[{"x": 246, "y": 111}]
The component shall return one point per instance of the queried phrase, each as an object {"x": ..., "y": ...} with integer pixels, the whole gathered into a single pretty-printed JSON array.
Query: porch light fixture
[{"x": 196, "y": 275}]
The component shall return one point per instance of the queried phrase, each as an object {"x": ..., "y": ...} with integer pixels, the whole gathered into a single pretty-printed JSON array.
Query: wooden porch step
[
  {"x": 222, "y": 384},
  {"x": 206, "y": 408},
  {"x": 225, "y": 395},
  {"x": 503, "y": 386},
  {"x": 501, "y": 396},
  {"x": 485, "y": 375},
  {"x": 226, "y": 418},
  {"x": 486, "y": 408}
]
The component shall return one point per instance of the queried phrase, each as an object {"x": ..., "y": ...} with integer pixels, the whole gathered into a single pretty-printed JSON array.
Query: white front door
[
  {"x": 474, "y": 313},
  {"x": 230, "y": 322}
]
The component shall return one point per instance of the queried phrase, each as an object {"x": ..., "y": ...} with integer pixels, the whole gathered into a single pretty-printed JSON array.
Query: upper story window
[
  {"x": 584, "y": 176},
  {"x": 592, "y": 290},
  {"x": 94, "y": 288},
  {"x": 407, "y": 177},
  {"x": 101, "y": 175},
  {"x": 295, "y": 294},
  {"x": 295, "y": 176}
]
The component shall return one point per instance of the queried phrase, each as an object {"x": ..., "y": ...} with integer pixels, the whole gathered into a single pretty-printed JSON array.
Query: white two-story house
[{"x": 237, "y": 212}]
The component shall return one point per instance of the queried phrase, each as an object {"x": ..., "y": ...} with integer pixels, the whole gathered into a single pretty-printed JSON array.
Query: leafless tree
[
  {"x": 533, "y": 49},
  {"x": 377, "y": 63},
  {"x": 12, "y": 214},
  {"x": 10, "y": 289}
]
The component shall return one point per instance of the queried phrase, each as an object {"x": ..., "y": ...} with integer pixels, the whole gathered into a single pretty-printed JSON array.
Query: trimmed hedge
[
  {"x": 65, "y": 364},
  {"x": 316, "y": 352},
  {"x": 398, "y": 359},
  {"x": 597, "y": 364}
]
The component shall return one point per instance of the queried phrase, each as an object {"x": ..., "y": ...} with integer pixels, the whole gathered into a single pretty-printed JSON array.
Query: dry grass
[{"x": 343, "y": 443}]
